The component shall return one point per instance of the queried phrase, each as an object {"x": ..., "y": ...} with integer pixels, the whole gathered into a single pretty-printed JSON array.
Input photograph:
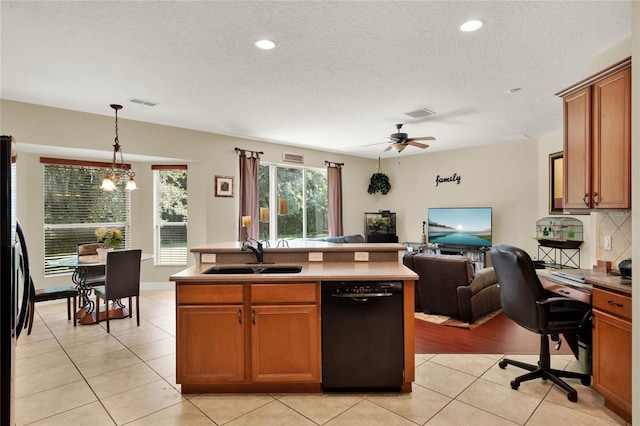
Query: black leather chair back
[
  {"x": 520, "y": 287},
  {"x": 123, "y": 274}
]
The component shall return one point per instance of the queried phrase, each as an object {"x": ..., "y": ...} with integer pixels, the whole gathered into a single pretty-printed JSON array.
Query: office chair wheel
[
  {"x": 586, "y": 380},
  {"x": 502, "y": 364},
  {"x": 572, "y": 396},
  {"x": 515, "y": 384}
]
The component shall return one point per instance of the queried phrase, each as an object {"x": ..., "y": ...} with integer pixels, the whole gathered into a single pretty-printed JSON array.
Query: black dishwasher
[{"x": 362, "y": 335}]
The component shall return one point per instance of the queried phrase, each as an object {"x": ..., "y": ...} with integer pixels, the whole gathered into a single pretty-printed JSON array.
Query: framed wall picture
[
  {"x": 224, "y": 186},
  {"x": 555, "y": 183}
]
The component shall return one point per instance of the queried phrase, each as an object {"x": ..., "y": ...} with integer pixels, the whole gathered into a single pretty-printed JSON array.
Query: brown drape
[
  {"x": 249, "y": 174},
  {"x": 334, "y": 174}
]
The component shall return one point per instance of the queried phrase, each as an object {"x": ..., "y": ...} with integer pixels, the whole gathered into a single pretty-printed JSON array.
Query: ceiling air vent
[
  {"x": 142, "y": 102},
  {"x": 292, "y": 158},
  {"x": 419, "y": 113}
]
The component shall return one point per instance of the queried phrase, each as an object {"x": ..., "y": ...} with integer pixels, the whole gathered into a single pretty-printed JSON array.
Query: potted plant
[
  {"x": 379, "y": 182},
  {"x": 110, "y": 238}
]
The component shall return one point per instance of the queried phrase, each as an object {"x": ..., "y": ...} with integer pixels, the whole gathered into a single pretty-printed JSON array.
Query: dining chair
[
  {"x": 68, "y": 292},
  {"x": 122, "y": 279},
  {"x": 94, "y": 275}
]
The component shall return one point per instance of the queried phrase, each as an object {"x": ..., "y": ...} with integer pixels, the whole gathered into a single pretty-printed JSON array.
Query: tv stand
[{"x": 477, "y": 255}]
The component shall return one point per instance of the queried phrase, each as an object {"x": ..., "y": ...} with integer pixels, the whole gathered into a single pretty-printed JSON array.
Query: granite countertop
[
  {"x": 593, "y": 278},
  {"x": 311, "y": 271}
]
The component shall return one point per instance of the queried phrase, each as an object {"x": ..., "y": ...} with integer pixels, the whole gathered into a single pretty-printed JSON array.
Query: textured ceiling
[{"x": 341, "y": 76}]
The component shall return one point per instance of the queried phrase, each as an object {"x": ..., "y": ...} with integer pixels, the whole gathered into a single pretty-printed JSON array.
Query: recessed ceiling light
[
  {"x": 265, "y": 44},
  {"x": 471, "y": 25}
]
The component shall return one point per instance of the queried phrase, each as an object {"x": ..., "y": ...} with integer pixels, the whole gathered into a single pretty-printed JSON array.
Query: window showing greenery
[
  {"x": 264, "y": 200},
  {"x": 170, "y": 216},
  {"x": 306, "y": 207},
  {"x": 74, "y": 207}
]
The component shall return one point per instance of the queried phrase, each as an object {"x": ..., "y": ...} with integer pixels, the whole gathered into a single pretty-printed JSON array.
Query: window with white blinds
[
  {"x": 75, "y": 206},
  {"x": 170, "y": 202}
]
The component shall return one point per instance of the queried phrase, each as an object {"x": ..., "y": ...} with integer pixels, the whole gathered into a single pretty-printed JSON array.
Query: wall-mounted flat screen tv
[{"x": 465, "y": 226}]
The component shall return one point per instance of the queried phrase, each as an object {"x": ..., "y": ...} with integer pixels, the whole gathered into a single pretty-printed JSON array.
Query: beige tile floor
[{"x": 82, "y": 375}]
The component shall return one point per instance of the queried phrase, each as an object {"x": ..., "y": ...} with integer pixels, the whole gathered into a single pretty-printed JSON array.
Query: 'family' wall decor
[{"x": 453, "y": 178}]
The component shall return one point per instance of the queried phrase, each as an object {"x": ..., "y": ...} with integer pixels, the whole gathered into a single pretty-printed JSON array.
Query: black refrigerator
[{"x": 14, "y": 276}]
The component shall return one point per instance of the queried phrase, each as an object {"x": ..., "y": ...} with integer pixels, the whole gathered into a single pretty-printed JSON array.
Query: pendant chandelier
[{"x": 120, "y": 169}]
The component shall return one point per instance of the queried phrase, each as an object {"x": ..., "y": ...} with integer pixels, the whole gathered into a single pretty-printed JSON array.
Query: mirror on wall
[{"x": 555, "y": 182}]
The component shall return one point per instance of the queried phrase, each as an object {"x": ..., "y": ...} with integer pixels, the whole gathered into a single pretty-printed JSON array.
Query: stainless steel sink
[
  {"x": 278, "y": 269},
  {"x": 254, "y": 269}
]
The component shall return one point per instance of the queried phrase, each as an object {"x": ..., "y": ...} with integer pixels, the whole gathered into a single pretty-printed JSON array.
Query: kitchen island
[{"x": 262, "y": 332}]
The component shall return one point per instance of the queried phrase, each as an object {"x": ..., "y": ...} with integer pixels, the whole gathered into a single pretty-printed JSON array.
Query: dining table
[{"x": 88, "y": 310}]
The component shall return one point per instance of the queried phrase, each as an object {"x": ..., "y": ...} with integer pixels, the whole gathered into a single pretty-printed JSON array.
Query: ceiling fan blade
[
  {"x": 388, "y": 148},
  {"x": 423, "y": 138},
  {"x": 418, "y": 144},
  {"x": 372, "y": 144}
]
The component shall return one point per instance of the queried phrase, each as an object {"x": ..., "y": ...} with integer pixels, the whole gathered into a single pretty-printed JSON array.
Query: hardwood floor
[{"x": 499, "y": 335}]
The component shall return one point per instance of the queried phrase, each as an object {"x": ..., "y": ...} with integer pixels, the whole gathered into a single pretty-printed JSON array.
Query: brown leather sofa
[{"x": 449, "y": 285}]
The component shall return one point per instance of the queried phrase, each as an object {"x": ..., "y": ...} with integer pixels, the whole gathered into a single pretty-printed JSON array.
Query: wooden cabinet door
[
  {"x": 285, "y": 343},
  {"x": 611, "y": 184},
  {"x": 612, "y": 359},
  {"x": 577, "y": 150},
  {"x": 210, "y": 348}
]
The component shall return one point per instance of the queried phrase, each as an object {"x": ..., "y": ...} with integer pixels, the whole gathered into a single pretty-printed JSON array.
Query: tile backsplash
[{"x": 616, "y": 224}]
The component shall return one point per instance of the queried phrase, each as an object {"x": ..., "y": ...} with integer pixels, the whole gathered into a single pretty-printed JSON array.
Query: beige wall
[
  {"x": 501, "y": 176},
  {"x": 211, "y": 219}
]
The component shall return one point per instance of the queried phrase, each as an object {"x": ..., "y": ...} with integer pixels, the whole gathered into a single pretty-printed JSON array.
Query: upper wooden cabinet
[{"x": 597, "y": 140}]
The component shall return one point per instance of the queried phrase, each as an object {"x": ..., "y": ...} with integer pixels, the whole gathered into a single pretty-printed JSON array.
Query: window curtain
[
  {"x": 334, "y": 174},
  {"x": 249, "y": 174}
]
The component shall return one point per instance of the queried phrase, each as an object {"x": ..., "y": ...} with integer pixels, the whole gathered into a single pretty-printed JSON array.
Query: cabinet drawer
[
  {"x": 207, "y": 294},
  {"x": 284, "y": 293},
  {"x": 612, "y": 303}
]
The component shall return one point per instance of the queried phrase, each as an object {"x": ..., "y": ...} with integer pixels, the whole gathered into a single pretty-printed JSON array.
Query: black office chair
[
  {"x": 122, "y": 280},
  {"x": 525, "y": 301}
]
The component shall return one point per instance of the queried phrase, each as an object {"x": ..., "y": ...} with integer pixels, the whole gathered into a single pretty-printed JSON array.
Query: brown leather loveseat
[{"x": 449, "y": 285}]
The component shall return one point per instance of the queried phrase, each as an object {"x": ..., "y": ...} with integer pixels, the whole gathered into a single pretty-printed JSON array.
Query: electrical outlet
[
  {"x": 315, "y": 256},
  {"x": 361, "y": 256},
  {"x": 606, "y": 242},
  {"x": 208, "y": 258}
]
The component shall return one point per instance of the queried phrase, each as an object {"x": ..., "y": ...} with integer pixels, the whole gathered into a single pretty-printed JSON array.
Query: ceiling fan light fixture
[
  {"x": 400, "y": 146},
  {"x": 471, "y": 25}
]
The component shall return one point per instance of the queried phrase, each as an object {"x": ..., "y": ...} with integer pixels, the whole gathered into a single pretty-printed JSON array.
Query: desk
[
  {"x": 86, "y": 313},
  {"x": 565, "y": 287},
  {"x": 610, "y": 297}
]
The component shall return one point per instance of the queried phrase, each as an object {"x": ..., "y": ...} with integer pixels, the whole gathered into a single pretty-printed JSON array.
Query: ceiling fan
[{"x": 399, "y": 141}]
